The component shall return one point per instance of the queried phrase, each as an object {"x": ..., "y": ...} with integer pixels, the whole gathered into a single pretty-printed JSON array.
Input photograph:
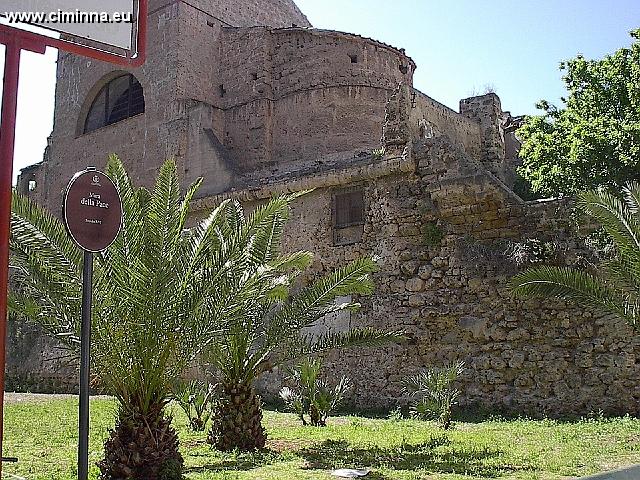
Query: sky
[{"x": 461, "y": 48}]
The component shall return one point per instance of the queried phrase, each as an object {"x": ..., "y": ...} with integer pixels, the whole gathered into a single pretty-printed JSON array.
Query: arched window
[{"x": 121, "y": 98}]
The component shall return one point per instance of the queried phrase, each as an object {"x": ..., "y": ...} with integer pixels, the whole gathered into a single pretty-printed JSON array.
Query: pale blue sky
[{"x": 460, "y": 47}]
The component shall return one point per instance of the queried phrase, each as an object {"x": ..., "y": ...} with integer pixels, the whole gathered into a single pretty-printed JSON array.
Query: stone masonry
[{"x": 260, "y": 104}]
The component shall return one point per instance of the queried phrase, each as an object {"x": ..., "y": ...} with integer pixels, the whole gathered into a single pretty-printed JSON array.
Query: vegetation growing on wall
[
  {"x": 532, "y": 251},
  {"x": 432, "y": 234},
  {"x": 614, "y": 288}
]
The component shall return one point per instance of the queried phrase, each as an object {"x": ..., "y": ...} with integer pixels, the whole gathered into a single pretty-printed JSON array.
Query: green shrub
[
  {"x": 195, "y": 400},
  {"x": 378, "y": 153},
  {"x": 313, "y": 396},
  {"x": 432, "y": 393},
  {"x": 432, "y": 234}
]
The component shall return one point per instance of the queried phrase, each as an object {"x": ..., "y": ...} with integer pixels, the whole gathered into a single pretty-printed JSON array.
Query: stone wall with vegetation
[
  {"x": 447, "y": 244},
  {"x": 448, "y": 236}
]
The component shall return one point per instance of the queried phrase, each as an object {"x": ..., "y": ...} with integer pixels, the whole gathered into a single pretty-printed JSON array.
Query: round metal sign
[{"x": 92, "y": 210}]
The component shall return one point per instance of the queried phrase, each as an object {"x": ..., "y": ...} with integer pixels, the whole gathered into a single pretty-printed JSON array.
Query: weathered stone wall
[
  {"x": 449, "y": 290},
  {"x": 258, "y": 110},
  {"x": 487, "y": 111},
  {"x": 532, "y": 356},
  {"x": 174, "y": 78},
  {"x": 451, "y": 297},
  {"x": 429, "y": 118},
  {"x": 37, "y": 363},
  {"x": 294, "y": 95}
]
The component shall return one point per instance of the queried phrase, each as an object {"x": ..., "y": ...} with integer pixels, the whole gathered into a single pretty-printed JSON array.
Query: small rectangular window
[
  {"x": 348, "y": 215},
  {"x": 348, "y": 208}
]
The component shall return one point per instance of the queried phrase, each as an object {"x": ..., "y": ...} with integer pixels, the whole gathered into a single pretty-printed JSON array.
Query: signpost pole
[
  {"x": 7, "y": 138},
  {"x": 92, "y": 211},
  {"x": 85, "y": 348}
]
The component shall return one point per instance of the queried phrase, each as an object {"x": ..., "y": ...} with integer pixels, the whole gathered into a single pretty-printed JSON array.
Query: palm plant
[
  {"x": 194, "y": 398},
  {"x": 313, "y": 396},
  {"x": 274, "y": 329},
  {"x": 614, "y": 286},
  {"x": 161, "y": 294},
  {"x": 433, "y": 394}
]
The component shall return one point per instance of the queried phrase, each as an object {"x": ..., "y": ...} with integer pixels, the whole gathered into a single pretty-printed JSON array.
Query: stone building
[{"x": 252, "y": 98}]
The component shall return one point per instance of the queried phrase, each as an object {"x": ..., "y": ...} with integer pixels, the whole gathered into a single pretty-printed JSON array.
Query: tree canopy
[{"x": 594, "y": 141}]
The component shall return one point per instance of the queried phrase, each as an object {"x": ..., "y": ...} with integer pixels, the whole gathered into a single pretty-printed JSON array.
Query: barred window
[{"x": 121, "y": 98}]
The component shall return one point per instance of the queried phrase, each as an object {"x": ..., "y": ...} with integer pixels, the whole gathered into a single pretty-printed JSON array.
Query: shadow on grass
[
  {"x": 237, "y": 461},
  {"x": 480, "y": 461}
]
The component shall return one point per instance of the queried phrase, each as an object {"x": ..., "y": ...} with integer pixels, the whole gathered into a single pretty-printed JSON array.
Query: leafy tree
[
  {"x": 274, "y": 329},
  {"x": 615, "y": 287},
  {"x": 595, "y": 139},
  {"x": 161, "y": 294}
]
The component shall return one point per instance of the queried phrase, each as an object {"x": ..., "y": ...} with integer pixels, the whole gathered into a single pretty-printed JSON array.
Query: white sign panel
[{"x": 110, "y": 22}]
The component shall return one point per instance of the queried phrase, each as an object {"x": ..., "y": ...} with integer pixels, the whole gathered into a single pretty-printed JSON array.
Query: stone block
[{"x": 415, "y": 284}]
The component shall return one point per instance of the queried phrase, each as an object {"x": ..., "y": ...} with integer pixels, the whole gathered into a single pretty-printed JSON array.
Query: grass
[{"x": 43, "y": 436}]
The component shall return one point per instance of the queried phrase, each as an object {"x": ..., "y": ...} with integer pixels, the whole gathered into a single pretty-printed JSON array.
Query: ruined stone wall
[
  {"x": 449, "y": 235},
  {"x": 487, "y": 111},
  {"x": 430, "y": 118},
  {"x": 536, "y": 356},
  {"x": 257, "y": 111}
]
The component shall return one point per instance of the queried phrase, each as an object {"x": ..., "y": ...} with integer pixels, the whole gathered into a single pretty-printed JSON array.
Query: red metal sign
[{"x": 92, "y": 210}]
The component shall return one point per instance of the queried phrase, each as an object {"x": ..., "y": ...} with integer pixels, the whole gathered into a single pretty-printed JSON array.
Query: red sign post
[{"x": 16, "y": 40}]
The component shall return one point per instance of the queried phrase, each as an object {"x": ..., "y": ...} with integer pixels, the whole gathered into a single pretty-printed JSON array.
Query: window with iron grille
[{"x": 121, "y": 98}]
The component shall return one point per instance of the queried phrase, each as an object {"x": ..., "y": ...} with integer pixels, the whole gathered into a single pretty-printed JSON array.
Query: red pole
[{"x": 7, "y": 138}]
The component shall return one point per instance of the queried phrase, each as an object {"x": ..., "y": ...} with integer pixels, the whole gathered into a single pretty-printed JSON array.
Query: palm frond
[
  {"x": 617, "y": 220},
  {"x": 570, "y": 284},
  {"x": 37, "y": 232},
  {"x": 631, "y": 194},
  {"x": 318, "y": 299}
]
